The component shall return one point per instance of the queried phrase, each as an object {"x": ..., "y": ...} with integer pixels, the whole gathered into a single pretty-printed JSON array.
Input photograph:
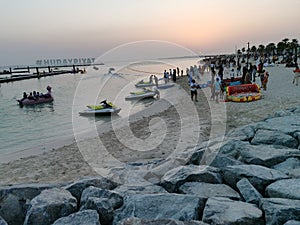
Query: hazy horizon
[{"x": 45, "y": 29}]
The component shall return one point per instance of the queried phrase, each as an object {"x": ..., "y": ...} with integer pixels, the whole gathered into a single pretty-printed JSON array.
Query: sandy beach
[{"x": 70, "y": 163}]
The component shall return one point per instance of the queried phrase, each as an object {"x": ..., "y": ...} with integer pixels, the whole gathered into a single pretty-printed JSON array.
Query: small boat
[
  {"x": 141, "y": 95},
  {"x": 105, "y": 108},
  {"x": 243, "y": 93},
  {"x": 35, "y": 101}
]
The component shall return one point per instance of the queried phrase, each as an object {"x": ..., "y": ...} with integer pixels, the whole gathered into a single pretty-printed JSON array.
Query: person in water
[
  {"x": 24, "y": 96},
  {"x": 48, "y": 94}
]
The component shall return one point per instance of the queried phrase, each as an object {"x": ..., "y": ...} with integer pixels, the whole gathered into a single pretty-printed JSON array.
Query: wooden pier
[{"x": 14, "y": 74}]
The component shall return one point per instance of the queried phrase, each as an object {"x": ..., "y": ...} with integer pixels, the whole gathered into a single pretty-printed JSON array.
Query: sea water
[{"x": 49, "y": 125}]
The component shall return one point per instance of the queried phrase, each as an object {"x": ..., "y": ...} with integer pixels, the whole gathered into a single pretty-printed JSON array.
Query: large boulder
[
  {"x": 259, "y": 176},
  {"x": 224, "y": 211},
  {"x": 244, "y": 133},
  {"x": 173, "y": 179},
  {"x": 2, "y": 221},
  {"x": 268, "y": 137},
  {"x": 288, "y": 166},
  {"x": 139, "y": 189},
  {"x": 292, "y": 222},
  {"x": 286, "y": 124},
  {"x": 265, "y": 155},
  {"x": 77, "y": 187},
  {"x": 139, "y": 221},
  {"x": 50, "y": 205},
  {"x": 206, "y": 190},
  {"x": 161, "y": 206},
  {"x": 103, "y": 207},
  {"x": 114, "y": 198},
  {"x": 14, "y": 200},
  {"x": 86, "y": 217},
  {"x": 249, "y": 193},
  {"x": 287, "y": 188},
  {"x": 222, "y": 160},
  {"x": 280, "y": 210}
]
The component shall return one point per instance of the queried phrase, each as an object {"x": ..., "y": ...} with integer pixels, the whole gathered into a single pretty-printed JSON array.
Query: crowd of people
[{"x": 35, "y": 95}]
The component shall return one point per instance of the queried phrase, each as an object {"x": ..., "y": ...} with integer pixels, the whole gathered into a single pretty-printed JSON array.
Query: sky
[{"x": 46, "y": 29}]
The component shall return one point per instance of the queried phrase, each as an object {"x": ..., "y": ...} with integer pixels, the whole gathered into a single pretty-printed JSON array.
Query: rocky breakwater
[{"x": 253, "y": 177}]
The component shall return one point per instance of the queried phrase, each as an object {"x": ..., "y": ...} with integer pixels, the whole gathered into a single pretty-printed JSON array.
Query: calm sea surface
[{"x": 43, "y": 127}]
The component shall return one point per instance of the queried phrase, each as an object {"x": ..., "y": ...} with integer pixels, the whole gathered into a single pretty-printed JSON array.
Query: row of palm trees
[{"x": 286, "y": 46}]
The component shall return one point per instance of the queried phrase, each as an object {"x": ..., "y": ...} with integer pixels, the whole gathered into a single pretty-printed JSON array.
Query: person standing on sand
[
  {"x": 232, "y": 75},
  {"x": 194, "y": 87},
  {"x": 212, "y": 85},
  {"x": 217, "y": 87},
  {"x": 297, "y": 74},
  {"x": 265, "y": 81}
]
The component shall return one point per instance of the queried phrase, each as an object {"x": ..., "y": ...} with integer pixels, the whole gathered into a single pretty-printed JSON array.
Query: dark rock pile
[{"x": 253, "y": 178}]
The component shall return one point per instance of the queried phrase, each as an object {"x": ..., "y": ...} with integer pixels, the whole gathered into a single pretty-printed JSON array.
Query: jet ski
[
  {"x": 146, "y": 93},
  {"x": 143, "y": 83},
  {"x": 105, "y": 108}
]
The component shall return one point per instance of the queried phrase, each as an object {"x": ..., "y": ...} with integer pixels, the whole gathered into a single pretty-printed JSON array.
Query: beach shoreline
[{"x": 67, "y": 163}]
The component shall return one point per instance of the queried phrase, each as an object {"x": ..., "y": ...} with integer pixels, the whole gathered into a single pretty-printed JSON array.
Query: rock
[
  {"x": 114, "y": 198},
  {"x": 259, "y": 176},
  {"x": 268, "y": 137},
  {"x": 249, "y": 193},
  {"x": 2, "y": 221},
  {"x": 244, "y": 133},
  {"x": 265, "y": 155},
  {"x": 196, "y": 157},
  {"x": 287, "y": 188},
  {"x": 135, "y": 189},
  {"x": 14, "y": 200},
  {"x": 206, "y": 190},
  {"x": 288, "y": 165},
  {"x": 222, "y": 160},
  {"x": 228, "y": 212},
  {"x": 292, "y": 222},
  {"x": 173, "y": 179},
  {"x": 103, "y": 207},
  {"x": 155, "y": 174},
  {"x": 86, "y": 217},
  {"x": 161, "y": 206},
  {"x": 77, "y": 187},
  {"x": 287, "y": 124},
  {"x": 280, "y": 210},
  {"x": 50, "y": 205},
  {"x": 138, "y": 221}
]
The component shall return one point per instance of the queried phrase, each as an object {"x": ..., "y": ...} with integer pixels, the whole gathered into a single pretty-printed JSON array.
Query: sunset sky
[{"x": 41, "y": 29}]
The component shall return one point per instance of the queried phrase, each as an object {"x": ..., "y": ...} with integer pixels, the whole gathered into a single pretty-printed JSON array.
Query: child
[
  {"x": 194, "y": 87},
  {"x": 265, "y": 80}
]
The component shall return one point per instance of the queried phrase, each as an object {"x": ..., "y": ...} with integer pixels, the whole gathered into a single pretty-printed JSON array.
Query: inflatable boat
[
  {"x": 35, "y": 101},
  {"x": 243, "y": 93},
  {"x": 105, "y": 108}
]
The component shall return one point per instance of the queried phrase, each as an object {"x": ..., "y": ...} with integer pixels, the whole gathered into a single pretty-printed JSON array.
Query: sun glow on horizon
[{"x": 32, "y": 29}]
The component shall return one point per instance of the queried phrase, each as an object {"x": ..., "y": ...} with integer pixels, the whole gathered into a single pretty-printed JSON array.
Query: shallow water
[{"x": 43, "y": 127}]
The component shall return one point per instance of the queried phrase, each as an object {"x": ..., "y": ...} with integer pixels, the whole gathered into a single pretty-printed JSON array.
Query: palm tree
[
  {"x": 270, "y": 48},
  {"x": 294, "y": 45},
  {"x": 280, "y": 47},
  {"x": 261, "y": 49}
]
